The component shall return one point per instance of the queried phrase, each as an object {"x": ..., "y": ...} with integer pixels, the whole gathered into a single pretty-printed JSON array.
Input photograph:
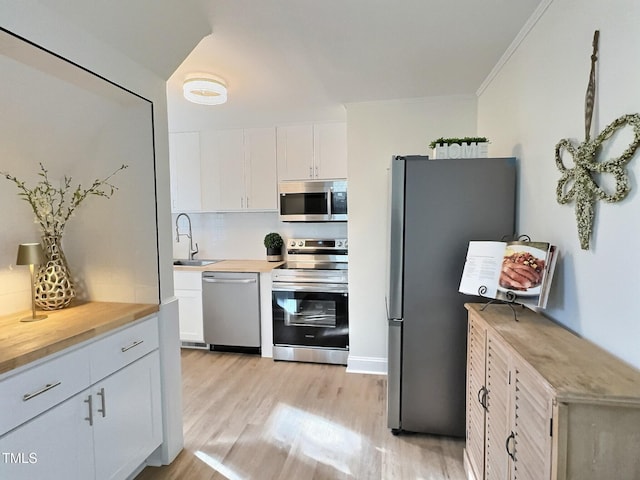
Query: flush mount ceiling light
[{"x": 204, "y": 90}]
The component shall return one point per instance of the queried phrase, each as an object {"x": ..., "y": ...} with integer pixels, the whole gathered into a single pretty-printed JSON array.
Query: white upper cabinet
[
  {"x": 330, "y": 150},
  {"x": 295, "y": 152},
  {"x": 261, "y": 179},
  {"x": 316, "y": 151},
  {"x": 238, "y": 170},
  {"x": 222, "y": 170},
  {"x": 184, "y": 161}
]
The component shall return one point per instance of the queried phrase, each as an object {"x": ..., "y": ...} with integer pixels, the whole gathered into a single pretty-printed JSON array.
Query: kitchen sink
[{"x": 194, "y": 263}]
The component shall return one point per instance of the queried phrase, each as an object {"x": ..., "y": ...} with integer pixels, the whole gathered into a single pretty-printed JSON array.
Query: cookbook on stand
[{"x": 514, "y": 272}]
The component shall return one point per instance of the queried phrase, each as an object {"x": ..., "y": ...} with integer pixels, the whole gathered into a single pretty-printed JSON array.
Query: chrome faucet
[{"x": 189, "y": 235}]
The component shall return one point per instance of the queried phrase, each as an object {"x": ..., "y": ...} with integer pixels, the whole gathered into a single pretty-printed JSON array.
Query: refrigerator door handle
[{"x": 396, "y": 237}]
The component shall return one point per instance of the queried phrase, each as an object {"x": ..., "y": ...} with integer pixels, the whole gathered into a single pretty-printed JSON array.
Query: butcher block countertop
[
  {"x": 24, "y": 342},
  {"x": 245, "y": 266}
]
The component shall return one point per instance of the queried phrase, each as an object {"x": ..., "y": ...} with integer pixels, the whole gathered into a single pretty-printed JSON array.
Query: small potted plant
[
  {"x": 273, "y": 242},
  {"x": 466, "y": 147}
]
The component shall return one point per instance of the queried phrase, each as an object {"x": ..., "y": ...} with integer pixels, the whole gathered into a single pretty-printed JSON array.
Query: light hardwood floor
[{"x": 247, "y": 417}]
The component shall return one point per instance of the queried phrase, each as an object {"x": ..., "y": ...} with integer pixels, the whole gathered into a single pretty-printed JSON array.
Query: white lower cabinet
[
  {"x": 127, "y": 425},
  {"x": 188, "y": 291},
  {"x": 56, "y": 444},
  {"x": 106, "y": 430}
]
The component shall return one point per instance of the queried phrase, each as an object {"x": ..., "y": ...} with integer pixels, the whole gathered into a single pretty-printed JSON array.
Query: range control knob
[
  {"x": 300, "y": 243},
  {"x": 339, "y": 243},
  {"x": 346, "y": 243},
  {"x": 292, "y": 243}
]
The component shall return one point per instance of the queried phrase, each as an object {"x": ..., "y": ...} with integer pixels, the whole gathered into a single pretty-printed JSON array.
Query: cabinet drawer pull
[
  {"x": 134, "y": 344},
  {"x": 89, "y": 400},
  {"x": 48, "y": 386},
  {"x": 102, "y": 410}
]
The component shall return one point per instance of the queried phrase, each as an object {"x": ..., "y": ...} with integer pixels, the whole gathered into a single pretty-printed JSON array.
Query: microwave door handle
[{"x": 329, "y": 201}]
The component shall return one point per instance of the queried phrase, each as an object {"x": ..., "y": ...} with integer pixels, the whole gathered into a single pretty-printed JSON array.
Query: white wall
[
  {"x": 536, "y": 99},
  {"x": 375, "y": 132},
  {"x": 44, "y": 27},
  {"x": 34, "y": 21}
]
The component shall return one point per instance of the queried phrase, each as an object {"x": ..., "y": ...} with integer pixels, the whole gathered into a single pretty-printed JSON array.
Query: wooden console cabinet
[{"x": 543, "y": 403}]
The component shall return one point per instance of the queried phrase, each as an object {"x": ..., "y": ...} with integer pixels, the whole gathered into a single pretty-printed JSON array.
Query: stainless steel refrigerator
[{"x": 437, "y": 207}]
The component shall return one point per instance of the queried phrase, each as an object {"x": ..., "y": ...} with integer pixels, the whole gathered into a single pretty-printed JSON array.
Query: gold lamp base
[{"x": 33, "y": 318}]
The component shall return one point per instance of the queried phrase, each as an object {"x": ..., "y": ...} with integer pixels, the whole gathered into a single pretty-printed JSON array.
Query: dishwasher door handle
[{"x": 228, "y": 280}]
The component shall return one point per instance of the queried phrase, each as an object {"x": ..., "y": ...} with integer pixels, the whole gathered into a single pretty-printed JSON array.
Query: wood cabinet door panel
[
  {"x": 498, "y": 408},
  {"x": 476, "y": 352},
  {"x": 532, "y": 425}
]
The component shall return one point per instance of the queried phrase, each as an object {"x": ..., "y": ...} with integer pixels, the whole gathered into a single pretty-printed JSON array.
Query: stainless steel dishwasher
[{"x": 231, "y": 310}]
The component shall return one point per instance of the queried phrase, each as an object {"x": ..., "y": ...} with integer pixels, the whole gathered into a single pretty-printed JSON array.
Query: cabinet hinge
[
  {"x": 551, "y": 427},
  {"x": 509, "y": 377}
]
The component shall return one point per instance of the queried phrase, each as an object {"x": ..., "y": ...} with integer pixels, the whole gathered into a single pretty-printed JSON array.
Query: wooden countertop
[
  {"x": 573, "y": 366},
  {"x": 24, "y": 342},
  {"x": 259, "y": 266}
]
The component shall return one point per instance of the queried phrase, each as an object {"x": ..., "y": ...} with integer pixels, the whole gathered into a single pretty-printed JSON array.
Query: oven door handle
[{"x": 309, "y": 287}]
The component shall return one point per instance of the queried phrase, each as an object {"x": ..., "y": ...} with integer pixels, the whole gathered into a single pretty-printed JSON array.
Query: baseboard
[
  {"x": 368, "y": 365},
  {"x": 195, "y": 345}
]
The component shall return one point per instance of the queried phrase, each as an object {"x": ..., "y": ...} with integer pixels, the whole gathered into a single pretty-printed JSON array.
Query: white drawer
[
  {"x": 187, "y": 280},
  {"x": 123, "y": 347},
  {"x": 32, "y": 391}
]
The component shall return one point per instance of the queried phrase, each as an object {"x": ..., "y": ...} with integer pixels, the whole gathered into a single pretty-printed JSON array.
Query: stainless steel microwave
[{"x": 313, "y": 201}]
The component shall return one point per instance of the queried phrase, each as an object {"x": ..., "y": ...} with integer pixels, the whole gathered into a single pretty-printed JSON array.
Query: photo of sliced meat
[{"x": 521, "y": 271}]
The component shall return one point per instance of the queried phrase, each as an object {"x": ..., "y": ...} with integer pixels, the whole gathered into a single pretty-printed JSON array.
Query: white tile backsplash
[{"x": 241, "y": 235}]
